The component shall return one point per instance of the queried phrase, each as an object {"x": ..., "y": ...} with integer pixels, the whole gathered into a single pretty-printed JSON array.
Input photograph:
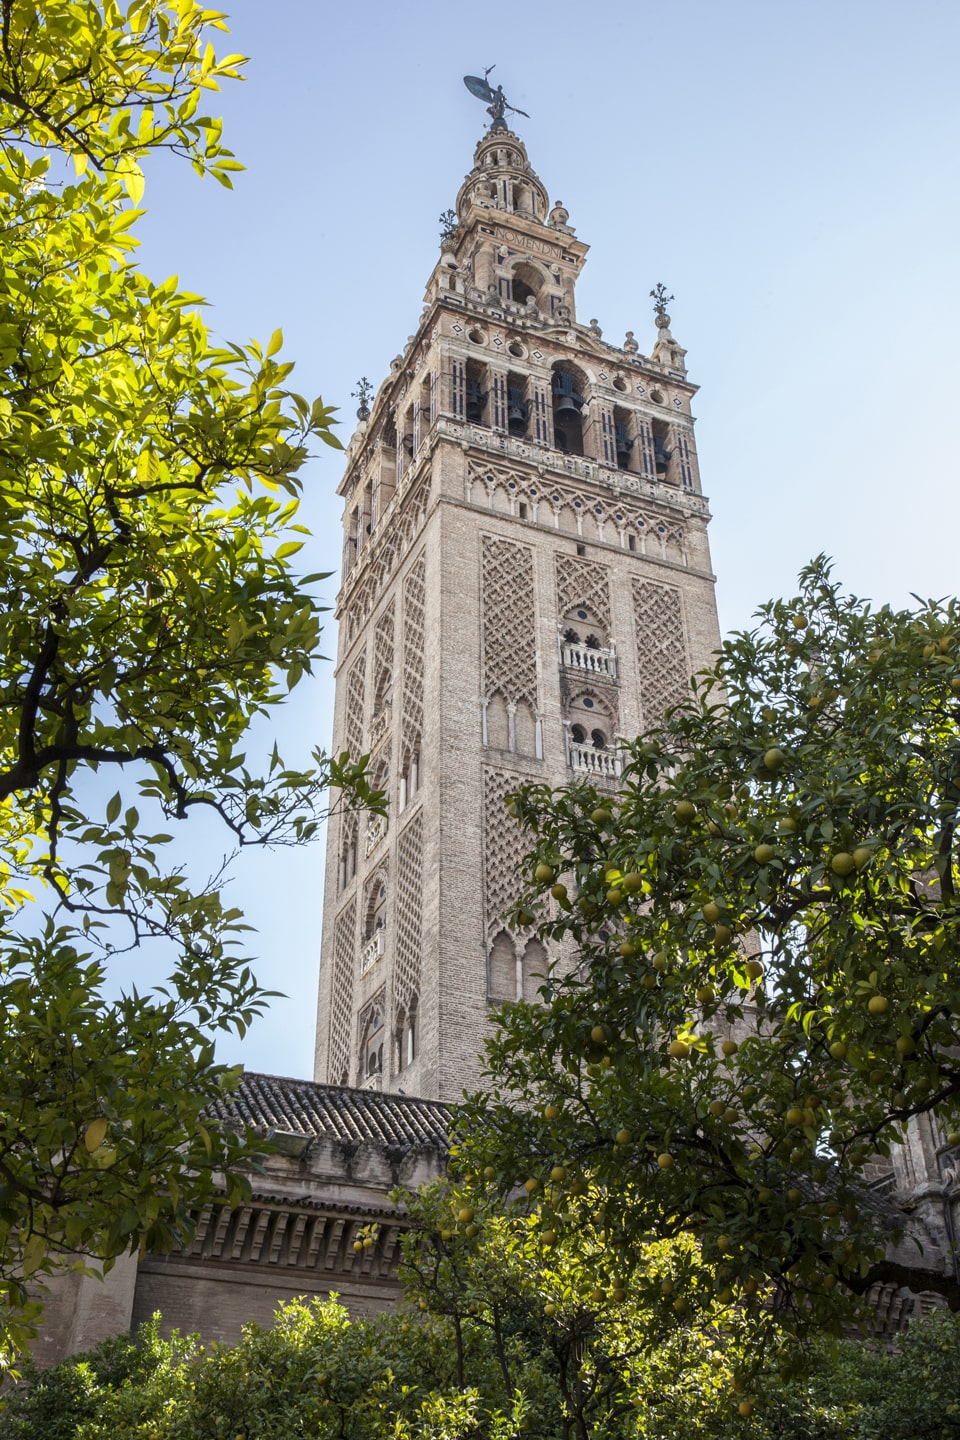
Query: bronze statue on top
[{"x": 497, "y": 104}]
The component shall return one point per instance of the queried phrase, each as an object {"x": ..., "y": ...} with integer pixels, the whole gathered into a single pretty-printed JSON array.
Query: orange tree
[
  {"x": 150, "y": 613},
  {"x": 761, "y": 982}
]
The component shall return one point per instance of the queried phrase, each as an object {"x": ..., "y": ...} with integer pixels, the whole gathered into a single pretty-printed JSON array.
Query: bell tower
[{"x": 526, "y": 577}]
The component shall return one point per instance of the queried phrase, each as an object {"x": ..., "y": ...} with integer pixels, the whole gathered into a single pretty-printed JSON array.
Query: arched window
[
  {"x": 409, "y": 777},
  {"x": 408, "y": 1036},
  {"x": 371, "y": 1039},
  {"x": 375, "y": 912},
  {"x": 578, "y": 735},
  {"x": 348, "y": 849},
  {"x": 598, "y": 740},
  {"x": 502, "y": 970}
]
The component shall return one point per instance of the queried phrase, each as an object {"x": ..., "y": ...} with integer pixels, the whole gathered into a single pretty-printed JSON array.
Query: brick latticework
[
  {"x": 583, "y": 583},
  {"x": 383, "y": 655},
  {"x": 341, "y": 1009},
  {"x": 504, "y": 846},
  {"x": 509, "y": 621},
  {"x": 409, "y": 913},
  {"x": 411, "y": 723},
  {"x": 570, "y": 509},
  {"x": 661, "y": 648},
  {"x": 384, "y": 554},
  {"x": 356, "y": 687}
]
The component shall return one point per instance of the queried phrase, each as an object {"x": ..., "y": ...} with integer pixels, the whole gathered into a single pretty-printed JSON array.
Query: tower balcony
[
  {"x": 589, "y": 660},
  {"x": 376, "y": 830},
  {"x": 380, "y": 724},
  {"x": 599, "y": 764},
  {"x": 371, "y": 952}
]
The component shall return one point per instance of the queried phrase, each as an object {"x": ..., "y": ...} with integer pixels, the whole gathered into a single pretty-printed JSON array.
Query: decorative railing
[
  {"x": 594, "y": 661},
  {"x": 380, "y": 724},
  {"x": 376, "y": 830},
  {"x": 373, "y": 1082},
  {"x": 371, "y": 952},
  {"x": 587, "y": 759}
]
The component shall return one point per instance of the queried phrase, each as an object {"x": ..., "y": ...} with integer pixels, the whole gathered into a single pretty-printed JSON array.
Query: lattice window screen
[
  {"x": 509, "y": 621},
  {"x": 504, "y": 846},
  {"x": 411, "y": 730},
  {"x": 409, "y": 912},
  {"x": 353, "y": 730},
  {"x": 341, "y": 996},
  {"x": 383, "y": 653},
  {"x": 661, "y": 648},
  {"x": 581, "y": 582}
]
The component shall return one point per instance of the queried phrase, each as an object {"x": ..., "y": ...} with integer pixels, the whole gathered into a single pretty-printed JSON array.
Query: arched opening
[
  {"x": 406, "y": 1036},
  {"x": 526, "y": 283},
  {"x": 590, "y": 732},
  {"x": 375, "y": 913},
  {"x": 567, "y": 390},
  {"x": 662, "y": 450},
  {"x": 624, "y": 438},
  {"x": 387, "y": 485},
  {"x": 371, "y": 1040},
  {"x": 477, "y": 390},
  {"x": 518, "y": 408},
  {"x": 425, "y": 412},
  {"x": 348, "y": 850},
  {"x": 409, "y": 777},
  {"x": 585, "y": 643}
]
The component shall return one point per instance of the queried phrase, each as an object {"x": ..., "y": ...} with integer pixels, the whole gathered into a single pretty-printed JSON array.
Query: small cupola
[{"x": 503, "y": 179}]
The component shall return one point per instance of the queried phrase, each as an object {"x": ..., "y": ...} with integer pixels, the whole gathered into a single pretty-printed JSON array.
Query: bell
[
  {"x": 476, "y": 400},
  {"x": 566, "y": 405},
  {"x": 516, "y": 411},
  {"x": 661, "y": 453},
  {"x": 566, "y": 401}
]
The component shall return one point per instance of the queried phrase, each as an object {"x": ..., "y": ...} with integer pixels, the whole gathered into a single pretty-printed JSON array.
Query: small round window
[{"x": 587, "y": 702}]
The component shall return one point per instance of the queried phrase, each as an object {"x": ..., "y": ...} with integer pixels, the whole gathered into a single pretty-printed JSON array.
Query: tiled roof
[{"x": 337, "y": 1112}]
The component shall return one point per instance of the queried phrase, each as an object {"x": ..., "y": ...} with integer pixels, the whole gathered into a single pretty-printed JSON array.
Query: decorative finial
[
  {"x": 363, "y": 393},
  {"x": 448, "y": 225},
  {"x": 661, "y": 300},
  {"x": 495, "y": 100}
]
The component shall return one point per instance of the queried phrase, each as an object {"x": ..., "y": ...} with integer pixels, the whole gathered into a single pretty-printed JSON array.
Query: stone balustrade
[{"x": 371, "y": 952}]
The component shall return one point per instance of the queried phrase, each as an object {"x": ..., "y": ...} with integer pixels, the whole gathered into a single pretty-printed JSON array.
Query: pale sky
[{"x": 787, "y": 169}]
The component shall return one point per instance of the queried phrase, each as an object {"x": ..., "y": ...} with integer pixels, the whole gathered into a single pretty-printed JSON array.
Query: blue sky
[{"x": 787, "y": 169}]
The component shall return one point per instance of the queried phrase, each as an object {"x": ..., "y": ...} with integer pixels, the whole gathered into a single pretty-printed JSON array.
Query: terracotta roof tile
[{"x": 339, "y": 1112}]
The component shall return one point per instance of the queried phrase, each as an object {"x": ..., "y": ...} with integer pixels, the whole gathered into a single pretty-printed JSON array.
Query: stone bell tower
[{"x": 526, "y": 577}]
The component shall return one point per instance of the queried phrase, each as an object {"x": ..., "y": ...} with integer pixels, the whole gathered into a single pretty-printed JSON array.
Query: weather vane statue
[{"x": 495, "y": 100}]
